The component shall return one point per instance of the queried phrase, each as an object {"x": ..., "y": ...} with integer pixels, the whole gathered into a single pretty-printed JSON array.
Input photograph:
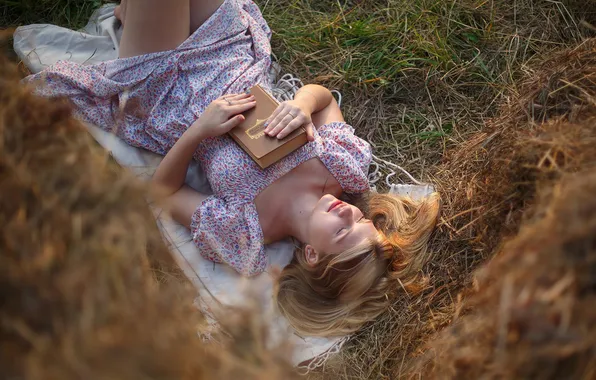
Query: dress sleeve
[
  {"x": 231, "y": 234},
  {"x": 346, "y": 156}
]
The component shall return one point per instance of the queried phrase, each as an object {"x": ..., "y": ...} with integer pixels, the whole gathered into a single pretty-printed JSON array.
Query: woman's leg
[
  {"x": 153, "y": 25},
  {"x": 200, "y": 11}
]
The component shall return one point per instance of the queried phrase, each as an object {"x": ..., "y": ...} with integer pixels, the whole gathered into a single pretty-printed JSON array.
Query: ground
[{"x": 418, "y": 77}]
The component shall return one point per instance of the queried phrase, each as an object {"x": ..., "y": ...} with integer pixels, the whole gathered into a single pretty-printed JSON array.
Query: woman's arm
[
  {"x": 168, "y": 181},
  {"x": 171, "y": 172},
  {"x": 295, "y": 113}
]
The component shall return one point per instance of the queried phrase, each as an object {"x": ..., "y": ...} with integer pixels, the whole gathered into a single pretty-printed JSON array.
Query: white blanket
[{"x": 40, "y": 46}]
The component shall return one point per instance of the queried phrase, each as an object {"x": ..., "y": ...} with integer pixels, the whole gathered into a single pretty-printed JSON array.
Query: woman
[{"x": 179, "y": 87}]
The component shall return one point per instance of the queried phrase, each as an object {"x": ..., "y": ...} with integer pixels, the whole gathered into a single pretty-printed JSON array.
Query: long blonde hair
[{"x": 341, "y": 292}]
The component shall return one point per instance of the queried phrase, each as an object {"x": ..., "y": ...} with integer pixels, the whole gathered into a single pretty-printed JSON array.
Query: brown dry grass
[
  {"x": 80, "y": 257},
  {"x": 488, "y": 184},
  {"x": 532, "y": 315}
]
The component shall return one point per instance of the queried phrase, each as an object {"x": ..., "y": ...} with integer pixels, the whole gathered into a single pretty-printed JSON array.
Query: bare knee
[{"x": 120, "y": 11}]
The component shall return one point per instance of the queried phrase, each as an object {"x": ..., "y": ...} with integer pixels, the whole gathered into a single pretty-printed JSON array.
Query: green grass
[
  {"x": 376, "y": 46},
  {"x": 71, "y": 13}
]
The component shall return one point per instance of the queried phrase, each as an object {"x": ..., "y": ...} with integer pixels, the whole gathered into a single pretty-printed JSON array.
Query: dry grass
[
  {"x": 532, "y": 315},
  {"x": 543, "y": 144}
]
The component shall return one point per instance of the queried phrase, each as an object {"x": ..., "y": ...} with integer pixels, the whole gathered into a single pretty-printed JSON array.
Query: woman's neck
[
  {"x": 285, "y": 206},
  {"x": 297, "y": 215}
]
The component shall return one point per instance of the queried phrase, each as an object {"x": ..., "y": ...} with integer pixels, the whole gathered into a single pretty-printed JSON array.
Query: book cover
[{"x": 250, "y": 135}]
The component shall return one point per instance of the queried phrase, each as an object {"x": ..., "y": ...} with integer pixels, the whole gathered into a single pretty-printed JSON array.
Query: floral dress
[{"x": 150, "y": 100}]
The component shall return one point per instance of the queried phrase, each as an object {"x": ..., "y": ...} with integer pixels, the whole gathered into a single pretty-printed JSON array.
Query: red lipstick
[{"x": 334, "y": 205}]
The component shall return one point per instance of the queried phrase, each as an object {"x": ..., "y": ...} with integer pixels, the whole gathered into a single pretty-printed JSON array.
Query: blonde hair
[{"x": 342, "y": 292}]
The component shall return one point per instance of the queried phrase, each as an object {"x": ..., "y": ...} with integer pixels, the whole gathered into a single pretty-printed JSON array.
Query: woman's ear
[{"x": 311, "y": 256}]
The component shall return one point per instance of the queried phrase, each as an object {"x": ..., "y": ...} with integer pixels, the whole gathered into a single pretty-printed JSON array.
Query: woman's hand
[
  {"x": 289, "y": 116},
  {"x": 223, "y": 114}
]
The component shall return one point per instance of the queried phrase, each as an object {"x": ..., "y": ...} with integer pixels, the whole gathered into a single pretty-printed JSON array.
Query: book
[{"x": 250, "y": 135}]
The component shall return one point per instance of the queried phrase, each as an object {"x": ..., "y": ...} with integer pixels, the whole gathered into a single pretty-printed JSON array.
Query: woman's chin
[{"x": 325, "y": 202}]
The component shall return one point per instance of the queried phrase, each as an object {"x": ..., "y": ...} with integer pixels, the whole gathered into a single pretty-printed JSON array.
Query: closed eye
[{"x": 343, "y": 228}]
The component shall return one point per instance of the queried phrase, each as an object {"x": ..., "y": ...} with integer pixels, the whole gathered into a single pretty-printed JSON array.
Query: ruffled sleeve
[
  {"x": 231, "y": 234},
  {"x": 345, "y": 155}
]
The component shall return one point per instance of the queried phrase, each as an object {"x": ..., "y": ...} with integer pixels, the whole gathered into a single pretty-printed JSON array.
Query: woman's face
[{"x": 336, "y": 226}]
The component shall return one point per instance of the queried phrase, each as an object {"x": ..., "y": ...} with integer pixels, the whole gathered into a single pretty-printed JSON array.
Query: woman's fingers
[
  {"x": 271, "y": 122},
  {"x": 235, "y": 102},
  {"x": 234, "y": 96},
  {"x": 293, "y": 125},
  {"x": 241, "y": 107},
  {"x": 233, "y": 99},
  {"x": 310, "y": 134},
  {"x": 278, "y": 127},
  {"x": 233, "y": 122},
  {"x": 239, "y": 96}
]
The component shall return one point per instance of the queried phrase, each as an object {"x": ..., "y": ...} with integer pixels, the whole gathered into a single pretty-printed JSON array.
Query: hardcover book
[{"x": 250, "y": 135}]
